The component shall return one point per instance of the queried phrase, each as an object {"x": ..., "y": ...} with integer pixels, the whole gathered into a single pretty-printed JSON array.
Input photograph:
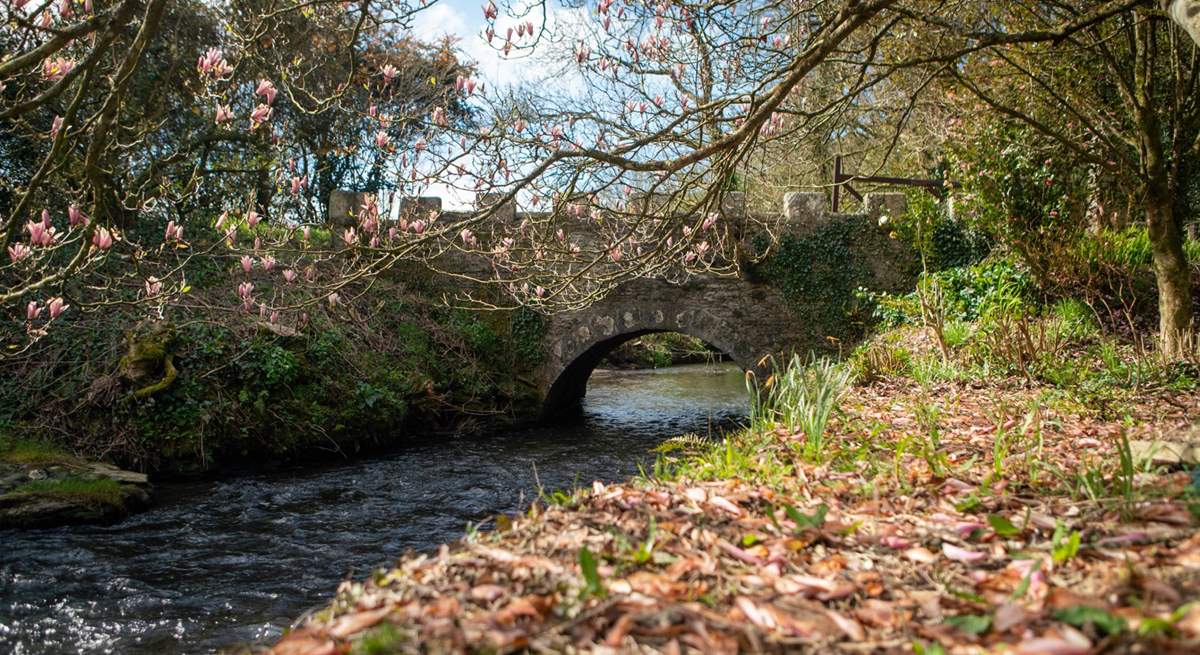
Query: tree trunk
[{"x": 1172, "y": 275}]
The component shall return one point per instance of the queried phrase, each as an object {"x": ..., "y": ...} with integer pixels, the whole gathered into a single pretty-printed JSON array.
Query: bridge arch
[
  {"x": 570, "y": 384},
  {"x": 731, "y": 315}
]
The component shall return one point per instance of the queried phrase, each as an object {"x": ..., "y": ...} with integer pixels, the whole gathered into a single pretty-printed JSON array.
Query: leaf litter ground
[{"x": 994, "y": 517}]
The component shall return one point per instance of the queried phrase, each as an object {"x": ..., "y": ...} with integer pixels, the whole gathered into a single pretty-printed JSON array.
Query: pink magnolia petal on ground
[
  {"x": 962, "y": 554},
  {"x": 847, "y": 625},
  {"x": 1069, "y": 641},
  {"x": 920, "y": 555},
  {"x": 754, "y": 614},
  {"x": 725, "y": 504}
]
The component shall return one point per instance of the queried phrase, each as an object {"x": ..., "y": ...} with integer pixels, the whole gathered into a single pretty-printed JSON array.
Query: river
[{"x": 220, "y": 563}]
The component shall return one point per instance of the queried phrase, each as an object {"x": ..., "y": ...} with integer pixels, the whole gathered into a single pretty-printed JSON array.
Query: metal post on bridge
[{"x": 842, "y": 179}]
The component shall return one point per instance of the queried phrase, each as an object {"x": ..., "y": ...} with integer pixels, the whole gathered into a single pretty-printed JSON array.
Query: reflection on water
[{"x": 218, "y": 563}]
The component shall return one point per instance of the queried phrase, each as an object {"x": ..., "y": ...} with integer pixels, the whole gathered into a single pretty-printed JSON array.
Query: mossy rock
[
  {"x": 148, "y": 356},
  {"x": 67, "y": 495}
]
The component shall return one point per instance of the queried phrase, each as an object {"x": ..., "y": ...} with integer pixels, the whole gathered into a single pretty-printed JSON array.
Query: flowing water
[{"x": 235, "y": 561}]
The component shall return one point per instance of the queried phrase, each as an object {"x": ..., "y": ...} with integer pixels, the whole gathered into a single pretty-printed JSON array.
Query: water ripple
[{"x": 218, "y": 563}]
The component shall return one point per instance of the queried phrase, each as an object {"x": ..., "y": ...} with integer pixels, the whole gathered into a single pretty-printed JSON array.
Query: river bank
[
  {"x": 939, "y": 512},
  {"x": 194, "y": 388}
]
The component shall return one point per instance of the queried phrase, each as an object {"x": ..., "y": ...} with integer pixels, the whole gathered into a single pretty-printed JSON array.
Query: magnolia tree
[{"x": 623, "y": 168}]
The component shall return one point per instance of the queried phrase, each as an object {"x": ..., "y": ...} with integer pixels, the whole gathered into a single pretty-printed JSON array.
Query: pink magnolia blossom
[
  {"x": 224, "y": 114},
  {"x": 268, "y": 263},
  {"x": 298, "y": 184},
  {"x": 64, "y": 9},
  {"x": 40, "y": 233},
  {"x": 267, "y": 90},
  {"x": 489, "y": 11},
  {"x": 709, "y": 222},
  {"x": 174, "y": 232},
  {"x": 390, "y": 72},
  {"x": 350, "y": 237},
  {"x": 18, "y": 251},
  {"x": 245, "y": 291},
  {"x": 32, "y": 311},
  {"x": 76, "y": 217},
  {"x": 247, "y": 263},
  {"x": 289, "y": 275},
  {"x": 305, "y": 233},
  {"x": 467, "y": 237},
  {"x": 221, "y": 220},
  {"x": 56, "y": 126},
  {"x": 334, "y": 299},
  {"x": 57, "y": 306},
  {"x": 260, "y": 115},
  {"x": 382, "y": 140},
  {"x": 213, "y": 64},
  {"x": 102, "y": 238},
  {"x": 153, "y": 286},
  {"x": 54, "y": 70},
  {"x": 252, "y": 218}
]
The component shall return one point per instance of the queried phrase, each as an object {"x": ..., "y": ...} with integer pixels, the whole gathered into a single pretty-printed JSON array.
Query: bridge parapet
[{"x": 748, "y": 319}]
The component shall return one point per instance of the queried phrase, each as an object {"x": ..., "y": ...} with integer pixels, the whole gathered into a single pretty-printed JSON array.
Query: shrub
[
  {"x": 966, "y": 293},
  {"x": 878, "y": 359}
]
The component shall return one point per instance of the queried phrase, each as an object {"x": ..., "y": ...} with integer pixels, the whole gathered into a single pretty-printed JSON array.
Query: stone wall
[{"x": 748, "y": 320}]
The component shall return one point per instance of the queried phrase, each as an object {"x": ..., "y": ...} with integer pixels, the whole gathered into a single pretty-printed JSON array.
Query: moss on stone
[
  {"x": 149, "y": 354},
  {"x": 24, "y": 451},
  {"x": 98, "y": 492}
]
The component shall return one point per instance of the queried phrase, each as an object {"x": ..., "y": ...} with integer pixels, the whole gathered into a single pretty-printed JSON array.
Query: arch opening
[{"x": 567, "y": 391}]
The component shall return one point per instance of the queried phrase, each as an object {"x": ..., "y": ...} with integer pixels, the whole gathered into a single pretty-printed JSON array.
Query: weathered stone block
[
  {"x": 733, "y": 205},
  {"x": 649, "y": 203},
  {"x": 805, "y": 209},
  {"x": 420, "y": 208},
  {"x": 885, "y": 207},
  {"x": 344, "y": 206},
  {"x": 506, "y": 213}
]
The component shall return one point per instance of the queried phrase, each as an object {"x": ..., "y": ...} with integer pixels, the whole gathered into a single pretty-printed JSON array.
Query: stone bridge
[{"x": 746, "y": 319}]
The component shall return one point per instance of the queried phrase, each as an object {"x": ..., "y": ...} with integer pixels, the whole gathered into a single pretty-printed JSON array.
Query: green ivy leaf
[
  {"x": 1065, "y": 545},
  {"x": 805, "y": 522},
  {"x": 972, "y": 624},
  {"x": 1003, "y": 526},
  {"x": 1081, "y": 615},
  {"x": 970, "y": 504}
]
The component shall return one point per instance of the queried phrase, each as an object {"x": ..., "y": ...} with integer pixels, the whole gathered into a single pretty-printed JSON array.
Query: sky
[{"x": 464, "y": 20}]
